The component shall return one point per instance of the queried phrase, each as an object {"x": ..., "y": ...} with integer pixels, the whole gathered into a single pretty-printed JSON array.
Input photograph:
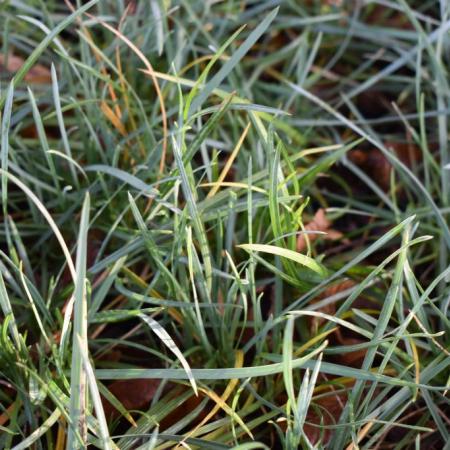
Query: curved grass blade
[
  {"x": 47, "y": 216},
  {"x": 285, "y": 253},
  {"x": 125, "y": 177},
  {"x": 36, "y": 434},
  {"x": 168, "y": 341}
]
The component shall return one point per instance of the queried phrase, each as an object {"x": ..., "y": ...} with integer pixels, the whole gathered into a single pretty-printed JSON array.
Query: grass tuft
[{"x": 224, "y": 224}]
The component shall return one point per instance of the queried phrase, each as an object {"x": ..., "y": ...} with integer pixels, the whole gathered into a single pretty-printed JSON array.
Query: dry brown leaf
[
  {"x": 353, "y": 358},
  {"x": 38, "y": 74},
  {"x": 377, "y": 166},
  {"x": 331, "y": 406},
  {"x": 327, "y": 408},
  {"x": 320, "y": 223},
  {"x": 183, "y": 410},
  {"x": 389, "y": 18},
  {"x": 7, "y": 413},
  {"x": 133, "y": 394}
]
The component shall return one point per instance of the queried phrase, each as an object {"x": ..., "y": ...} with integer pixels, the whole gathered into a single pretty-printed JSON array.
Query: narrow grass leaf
[
  {"x": 99, "y": 412},
  {"x": 47, "y": 216},
  {"x": 78, "y": 392},
  {"x": 285, "y": 253},
  {"x": 4, "y": 148},
  {"x": 40, "y": 48},
  {"x": 61, "y": 124},
  {"x": 124, "y": 176},
  {"x": 234, "y": 59},
  {"x": 168, "y": 341},
  {"x": 36, "y": 434}
]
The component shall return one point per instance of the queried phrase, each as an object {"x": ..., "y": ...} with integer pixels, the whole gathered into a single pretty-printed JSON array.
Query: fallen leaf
[
  {"x": 389, "y": 17},
  {"x": 330, "y": 407},
  {"x": 183, "y": 410},
  {"x": 133, "y": 394},
  {"x": 321, "y": 223},
  {"x": 324, "y": 410},
  {"x": 38, "y": 74},
  {"x": 378, "y": 167},
  {"x": 354, "y": 358}
]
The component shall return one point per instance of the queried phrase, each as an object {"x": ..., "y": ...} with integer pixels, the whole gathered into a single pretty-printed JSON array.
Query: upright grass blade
[
  {"x": 199, "y": 318},
  {"x": 4, "y": 158},
  {"x": 9, "y": 314},
  {"x": 287, "y": 362},
  {"x": 62, "y": 127},
  {"x": 386, "y": 312},
  {"x": 100, "y": 413},
  {"x": 194, "y": 214},
  {"x": 229, "y": 163},
  {"x": 234, "y": 59},
  {"x": 4, "y": 147},
  {"x": 202, "y": 78},
  {"x": 78, "y": 380}
]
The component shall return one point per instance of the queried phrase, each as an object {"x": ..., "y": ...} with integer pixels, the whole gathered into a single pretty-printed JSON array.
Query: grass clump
[{"x": 224, "y": 225}]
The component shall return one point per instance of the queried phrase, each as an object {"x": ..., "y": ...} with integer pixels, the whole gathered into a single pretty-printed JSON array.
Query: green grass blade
[
  {"x": 78, "y": 380},
  {"x": 40, "y": 48},
  {"x": 170, "y": 344},
  {"x": 235, "y": 58},
  {"x": 289, "y": 254},
  {"x": 99, "y": 412}
]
